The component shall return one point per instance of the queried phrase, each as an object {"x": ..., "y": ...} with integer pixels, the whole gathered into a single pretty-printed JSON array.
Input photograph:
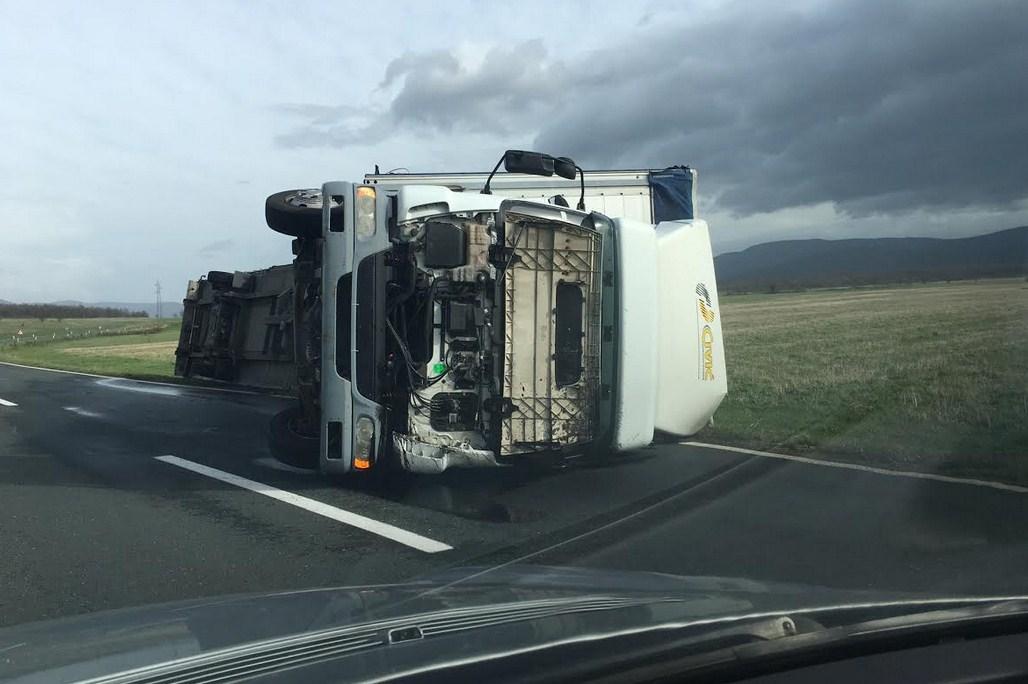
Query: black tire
[
  {"x": 289, "y": 446},
  {"x": 298, "y": 213}
]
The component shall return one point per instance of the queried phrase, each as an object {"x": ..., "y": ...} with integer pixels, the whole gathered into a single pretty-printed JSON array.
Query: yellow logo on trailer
[
  {"x": 706, "y": 312},
  {"x": 707, "y": 340}
]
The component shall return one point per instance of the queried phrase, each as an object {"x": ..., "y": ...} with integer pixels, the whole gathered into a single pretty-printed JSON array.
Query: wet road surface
[{"x": 117, "y": 493}]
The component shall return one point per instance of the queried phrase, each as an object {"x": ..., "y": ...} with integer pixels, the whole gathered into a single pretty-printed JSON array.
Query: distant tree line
[{"x": 41, "y": 311}]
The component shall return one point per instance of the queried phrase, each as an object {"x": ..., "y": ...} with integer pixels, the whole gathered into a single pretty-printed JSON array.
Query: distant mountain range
[
  {"x": 792, "y": 264},
  {"x": 168, "y": 309},
  {"x": 796, "y": 264}
]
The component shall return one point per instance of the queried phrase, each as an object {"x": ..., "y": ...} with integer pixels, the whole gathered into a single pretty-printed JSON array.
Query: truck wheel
[
  {"x": 298, "y": 212},
  {"x": 289, "y": 446}
]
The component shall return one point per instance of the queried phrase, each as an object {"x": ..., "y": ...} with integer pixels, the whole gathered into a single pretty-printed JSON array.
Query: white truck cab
[{"x": 468, "y": 329}]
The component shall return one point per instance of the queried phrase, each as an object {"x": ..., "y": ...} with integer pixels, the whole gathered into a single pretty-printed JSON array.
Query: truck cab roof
[{"x": 417, "y": 202}]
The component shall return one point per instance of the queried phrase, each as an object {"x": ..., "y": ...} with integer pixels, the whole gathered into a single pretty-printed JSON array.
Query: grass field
[
  {"x": 50, "y": 329},
  {"x": 110, "y": 348},
  {"x": 931, "y": 377}
]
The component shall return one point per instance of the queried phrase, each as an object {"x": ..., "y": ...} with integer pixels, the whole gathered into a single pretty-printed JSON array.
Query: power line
[{"x": 157, "y": 292}]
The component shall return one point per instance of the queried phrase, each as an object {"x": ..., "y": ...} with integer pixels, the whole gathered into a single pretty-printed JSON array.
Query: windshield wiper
[{"x": 791, "y": 640}]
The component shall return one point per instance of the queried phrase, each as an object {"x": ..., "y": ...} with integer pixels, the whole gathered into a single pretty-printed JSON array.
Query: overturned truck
[
  {"x": 238, "y": 328},
  {"x": 439, "y": 320}
]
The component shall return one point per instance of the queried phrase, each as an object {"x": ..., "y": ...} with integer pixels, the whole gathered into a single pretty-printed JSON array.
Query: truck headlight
[
  {"x": 364, "y": 443},
  {"x": 365, "y": 208}
]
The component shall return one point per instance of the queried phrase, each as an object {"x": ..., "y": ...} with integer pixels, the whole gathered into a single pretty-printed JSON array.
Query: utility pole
[{"x": 157, "y": 290}]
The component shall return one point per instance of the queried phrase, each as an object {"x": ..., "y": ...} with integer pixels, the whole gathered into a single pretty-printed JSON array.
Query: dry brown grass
[{"x": 147, "y": 350}]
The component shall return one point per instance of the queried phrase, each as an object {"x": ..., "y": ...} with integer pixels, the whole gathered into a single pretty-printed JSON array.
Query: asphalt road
[{"x": 101, "y": 510}]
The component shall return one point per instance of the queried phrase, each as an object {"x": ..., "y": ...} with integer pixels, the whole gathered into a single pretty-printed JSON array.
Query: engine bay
[
  {"x": 440, "y": 322},
  {"x": 493, "y": 334}
]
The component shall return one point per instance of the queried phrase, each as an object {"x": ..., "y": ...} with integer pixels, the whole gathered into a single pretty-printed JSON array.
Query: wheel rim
[{"x": 307, "y": 199}]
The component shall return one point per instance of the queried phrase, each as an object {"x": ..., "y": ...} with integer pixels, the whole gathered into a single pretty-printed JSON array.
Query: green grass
[
  {"x": 931, "y": 378},
  {"x": 149, "y": 355},
  {"x": 50, "y": 329}
]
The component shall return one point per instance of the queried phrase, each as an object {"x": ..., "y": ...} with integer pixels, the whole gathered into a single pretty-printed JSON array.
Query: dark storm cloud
[
  {"x": 876, "y": 106},
  {"x": 507, "y": 87},
  {"x": 510, "y": 85}
]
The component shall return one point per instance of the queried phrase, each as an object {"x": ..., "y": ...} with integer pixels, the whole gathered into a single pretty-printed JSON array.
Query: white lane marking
[
  {"x": 124, "y": 384},
  {"x": 867, "y": 469},
  {"x": 5, "y": 649},
  {"x": 4, "y": 402},
  {"x": 382, "y": 529},
  {"x": 83, "y": 412},
  {"x": 183, "y": 385}
]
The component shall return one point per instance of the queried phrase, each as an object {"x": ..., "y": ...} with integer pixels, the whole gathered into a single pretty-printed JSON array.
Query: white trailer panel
[
  {"x": 617, "y": 194},
  {"x": 691, "y": 376}
]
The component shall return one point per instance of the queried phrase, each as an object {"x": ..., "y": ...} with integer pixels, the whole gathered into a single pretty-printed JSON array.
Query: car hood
[{"x": 458, "y": 601}]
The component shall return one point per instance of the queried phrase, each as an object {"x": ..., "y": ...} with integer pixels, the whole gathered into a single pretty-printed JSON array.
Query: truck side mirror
[
  {"x": 535, "y": 163},
  {"x": 565, "y": 168}
]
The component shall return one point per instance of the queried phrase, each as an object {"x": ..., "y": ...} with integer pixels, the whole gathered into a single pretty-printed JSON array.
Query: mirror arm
[
  {"x": 581, "y": 179},
  {"x": 486, "y": 190}
]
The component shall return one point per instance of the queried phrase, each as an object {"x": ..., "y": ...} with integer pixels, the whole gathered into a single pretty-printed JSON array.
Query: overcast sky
[{"x": 141, "y": 138}]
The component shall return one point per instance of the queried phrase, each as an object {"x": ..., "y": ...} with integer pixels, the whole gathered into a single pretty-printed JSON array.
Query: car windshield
[{"x": 324, "y": 316}]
